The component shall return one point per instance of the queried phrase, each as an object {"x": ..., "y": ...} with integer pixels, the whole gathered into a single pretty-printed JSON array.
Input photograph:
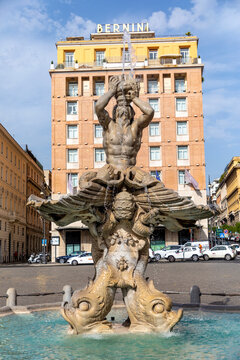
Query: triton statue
[{"x": 121, "y": 204}]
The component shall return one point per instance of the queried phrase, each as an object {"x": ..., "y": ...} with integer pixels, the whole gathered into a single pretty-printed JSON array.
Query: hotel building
[{"x": 170, "y": 74}]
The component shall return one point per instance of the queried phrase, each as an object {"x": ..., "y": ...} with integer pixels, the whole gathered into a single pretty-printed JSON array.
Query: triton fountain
[{"x": 121, "y": 204}]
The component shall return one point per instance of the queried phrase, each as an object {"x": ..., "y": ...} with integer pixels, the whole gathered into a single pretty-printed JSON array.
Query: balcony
[{"x": 140, "y": 61}]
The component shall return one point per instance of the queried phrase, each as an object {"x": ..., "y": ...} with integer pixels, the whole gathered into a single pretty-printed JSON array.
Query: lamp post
[{"x": 44, "y": 261}]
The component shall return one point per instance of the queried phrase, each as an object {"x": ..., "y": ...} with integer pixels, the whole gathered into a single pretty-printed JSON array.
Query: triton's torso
[{"x": 121, "y": 144}]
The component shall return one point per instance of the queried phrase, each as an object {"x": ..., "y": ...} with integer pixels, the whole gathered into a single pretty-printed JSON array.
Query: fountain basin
[{"x": 43, "y": 335}]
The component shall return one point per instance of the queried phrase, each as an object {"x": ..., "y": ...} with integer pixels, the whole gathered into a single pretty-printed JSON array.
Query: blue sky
[{"x": 30, "y": 28}]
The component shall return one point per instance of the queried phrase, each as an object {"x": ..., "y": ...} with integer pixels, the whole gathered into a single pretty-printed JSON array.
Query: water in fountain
[{"x": 43, "y": 335}]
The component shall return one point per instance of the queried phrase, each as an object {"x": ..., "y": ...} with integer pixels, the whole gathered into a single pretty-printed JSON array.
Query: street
[{"x": 211, "y": 276}]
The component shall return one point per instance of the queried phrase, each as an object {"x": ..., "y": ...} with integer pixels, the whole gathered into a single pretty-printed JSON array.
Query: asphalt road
[{"x": 211, "y": 276}]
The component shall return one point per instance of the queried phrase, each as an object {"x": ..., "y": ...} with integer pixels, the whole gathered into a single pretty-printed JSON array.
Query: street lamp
[{"x": 44, "y": 260}]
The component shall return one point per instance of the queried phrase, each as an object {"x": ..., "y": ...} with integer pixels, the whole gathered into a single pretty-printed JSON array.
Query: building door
[
  {"x": 184, "y": 236},
  {"x": 157, "y": 240},
  {"x": 73, "y": 241}
]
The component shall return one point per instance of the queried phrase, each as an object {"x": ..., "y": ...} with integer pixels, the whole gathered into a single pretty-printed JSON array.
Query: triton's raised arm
[
  {"x": 102, "y": 114},
  {"x": 148, "y": 112}
]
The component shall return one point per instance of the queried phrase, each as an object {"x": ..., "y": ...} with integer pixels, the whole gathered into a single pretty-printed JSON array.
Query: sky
[{"x": 29, "y": 30}]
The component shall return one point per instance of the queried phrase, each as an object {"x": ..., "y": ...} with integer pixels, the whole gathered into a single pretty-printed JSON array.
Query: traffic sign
[
  {"x": 225, "y": 231},
  {"x": 55, "y": 240},
  {"x": 44, "y": 242},
  {"x": 222, "y": 235}
]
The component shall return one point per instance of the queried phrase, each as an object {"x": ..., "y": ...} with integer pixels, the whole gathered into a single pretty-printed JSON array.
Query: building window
[
  {"x": 72, "y": 155},
  {"x": 98, "y": 131},
  {"x": 154, "y": 104},
  {"x": 182, "y": 128},
  {"x": 182, "y": 152},
  {"x": 99, "y": 88},
  {"x": 156, "y": 173},
  {"x": 1, "y": 147},
  {"x": 185, "y": 55},
  {"x": 154, "y": 129},
  {"x": 152, "y": 86},
  {"x": 181, "y": 104},
  {"x": 69, "y": 59},
  {"x": 181, "y": 177},
  {"x": 99, "y": 155},
  {"x": 72, "y": 107},
  {"x": 126, "y": 55},
  {"x": 72, "y": 89},
  {"x": 180, "y": 86},
  {"x": 154, "y": 153},
  {"x": 72, "y": 132},
  {"x": 153, "y": 54},
  {"x": 100, "y": 55},
  {"x": 72, "y": 181}
]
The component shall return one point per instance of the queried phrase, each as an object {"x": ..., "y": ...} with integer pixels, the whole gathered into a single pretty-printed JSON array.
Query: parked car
[
  {"x": 219, "y": 252},
  {"x": 188, "y": 253},
  {"x": 235, "y": 247},
  {"x": 166, "y": 251},
  {"x": 85, "y": 258},
  {"x": 63, "y": 259},
  {"x": 151, "y": 255}
]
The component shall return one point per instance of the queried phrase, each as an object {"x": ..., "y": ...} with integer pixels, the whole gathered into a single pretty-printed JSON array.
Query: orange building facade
[
  {"x": 170, "y": 75},
  {"x": 21, "y": 227}
]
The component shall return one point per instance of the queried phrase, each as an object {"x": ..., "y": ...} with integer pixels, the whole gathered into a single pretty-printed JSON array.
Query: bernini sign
[{"x": 115, "y": 28}]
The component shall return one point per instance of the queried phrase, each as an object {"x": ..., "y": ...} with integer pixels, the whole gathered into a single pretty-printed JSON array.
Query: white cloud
[
  {"x": 77, "y": 26},
  {"x": 158, "y": 20}
]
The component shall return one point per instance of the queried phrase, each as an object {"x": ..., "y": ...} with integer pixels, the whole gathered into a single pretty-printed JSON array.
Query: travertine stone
[{"x": 121, "y": 204}]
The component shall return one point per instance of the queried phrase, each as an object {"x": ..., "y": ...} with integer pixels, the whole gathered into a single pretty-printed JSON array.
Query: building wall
[
  {"x": 167, "y": 117},
  {"x": 20, "y": 176},
  {"x": 233, "y": 190},
  {"x": 13, "y": 165}
]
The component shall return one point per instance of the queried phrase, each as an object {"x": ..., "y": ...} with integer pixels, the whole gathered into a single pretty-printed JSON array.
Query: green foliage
[
  {"x": 237, "y": 226},
  {"x": 230, "y": 228}
]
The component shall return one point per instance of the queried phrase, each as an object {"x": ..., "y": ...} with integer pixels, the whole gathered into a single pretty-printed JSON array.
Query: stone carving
[{"x": 121, "y": 204}]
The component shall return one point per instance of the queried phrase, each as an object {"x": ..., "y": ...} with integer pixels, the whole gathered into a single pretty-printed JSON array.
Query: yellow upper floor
[{"x": 109, "y": 48}]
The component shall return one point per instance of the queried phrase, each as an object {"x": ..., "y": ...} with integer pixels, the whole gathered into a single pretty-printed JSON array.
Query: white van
[{"x": 204, "y": 243}]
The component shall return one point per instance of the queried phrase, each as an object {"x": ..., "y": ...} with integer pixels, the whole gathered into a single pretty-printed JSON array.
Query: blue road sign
[
  {"x": 222, "y": 235},
  {"x": 44, "y": 242}
]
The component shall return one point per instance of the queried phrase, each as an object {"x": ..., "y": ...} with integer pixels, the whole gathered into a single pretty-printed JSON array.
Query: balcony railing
[{"x": 140, "y": 61}]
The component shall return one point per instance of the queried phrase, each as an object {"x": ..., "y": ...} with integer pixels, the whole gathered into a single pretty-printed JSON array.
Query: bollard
[
  {"x": 67, "y": 290},
  {"x": 12, "y": 297},
  {"x": 195, "y": 295}
]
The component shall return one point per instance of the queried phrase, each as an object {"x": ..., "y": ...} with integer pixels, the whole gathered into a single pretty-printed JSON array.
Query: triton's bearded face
[{"x": 126, "y": 91}]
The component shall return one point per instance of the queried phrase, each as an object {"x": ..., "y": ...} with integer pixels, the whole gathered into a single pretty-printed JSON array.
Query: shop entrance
[
  {"x": 73, "y": 241},
  {"x": 157, "y": 239}
]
